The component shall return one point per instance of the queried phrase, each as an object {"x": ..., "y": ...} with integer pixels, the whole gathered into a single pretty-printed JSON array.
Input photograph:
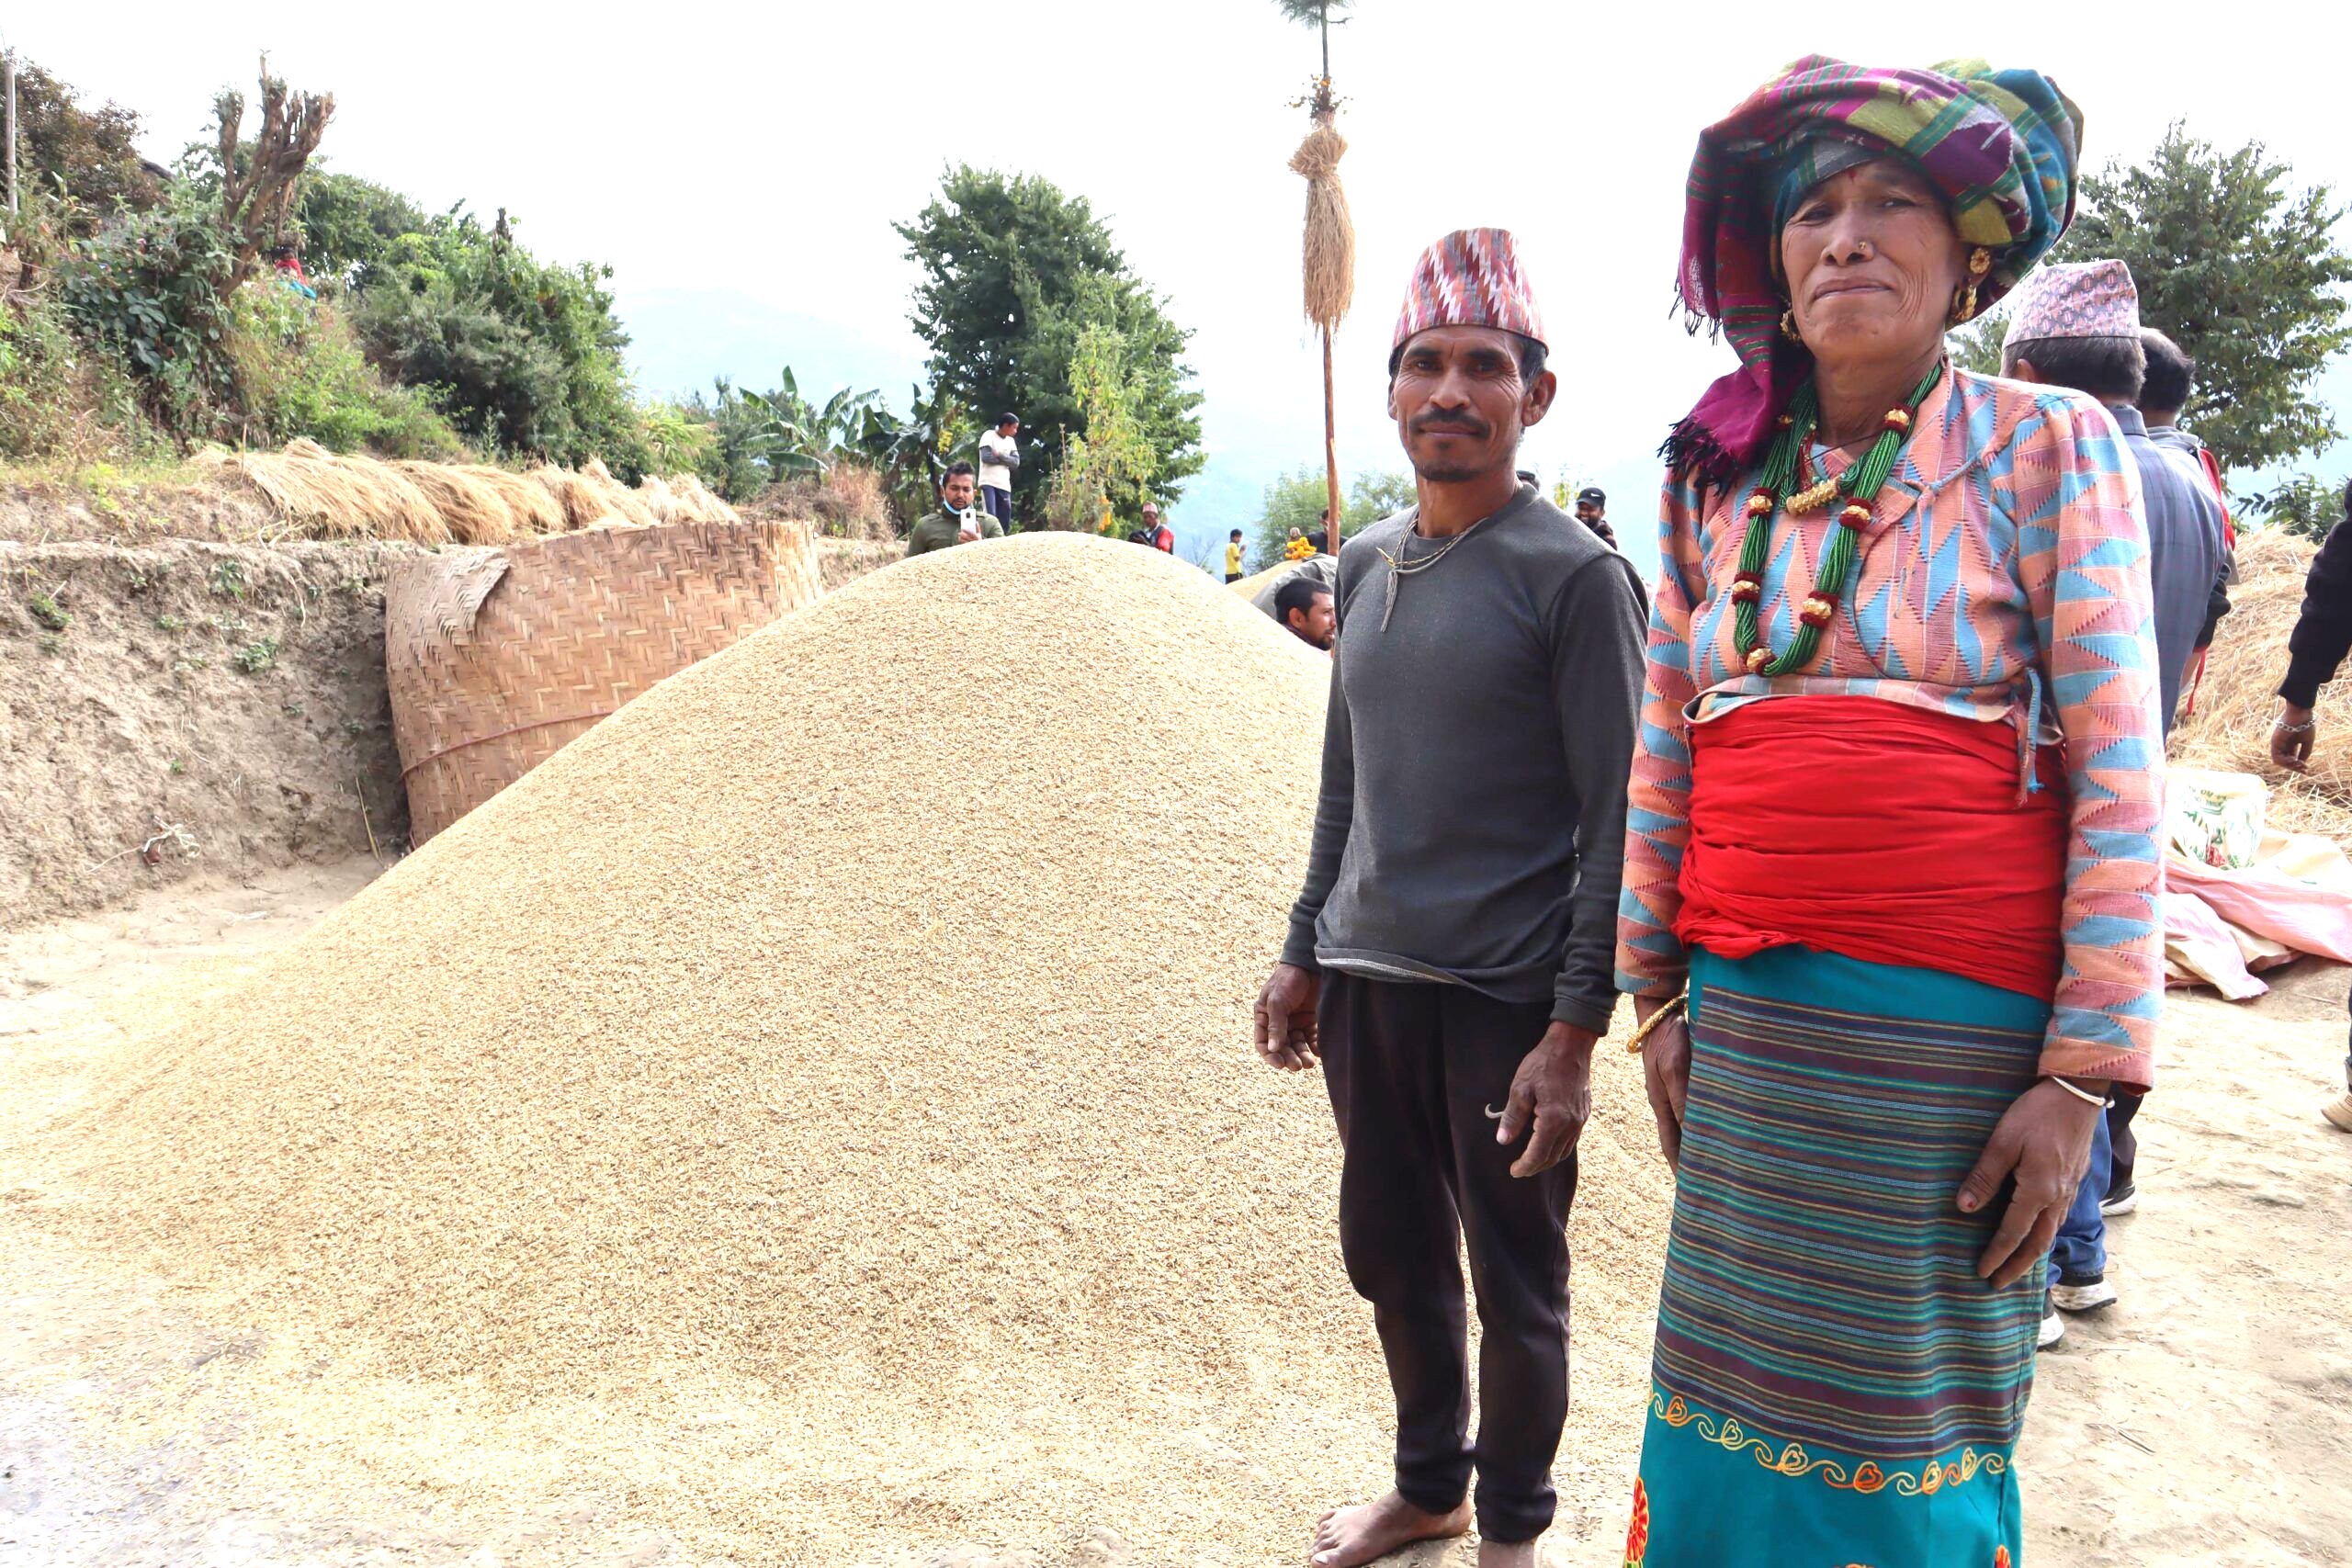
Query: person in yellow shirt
[{"x": 1233, "y": 556}]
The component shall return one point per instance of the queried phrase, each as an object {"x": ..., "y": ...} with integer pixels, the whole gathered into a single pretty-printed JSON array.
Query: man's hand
[
  {"x": 2291, "y": 738},
  {"x": 1666, "y": 1073},
  {"x": 2044, "y": 1140},
  {"x": 1553, "y": 1093},
  {"x": 1284, "y": 1018}
]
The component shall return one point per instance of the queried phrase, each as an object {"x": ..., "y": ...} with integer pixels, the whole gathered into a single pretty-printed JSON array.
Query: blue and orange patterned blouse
[{"x": 2004, "y": 577}]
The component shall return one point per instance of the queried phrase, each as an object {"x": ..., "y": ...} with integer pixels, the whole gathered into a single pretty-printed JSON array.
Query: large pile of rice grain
[{"x": 817, "y": 1102}]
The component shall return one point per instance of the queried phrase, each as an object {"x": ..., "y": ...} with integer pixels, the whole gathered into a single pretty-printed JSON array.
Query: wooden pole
[
  {"x": 9, "y": 65},
  {"x": 1330, "y": 447}
]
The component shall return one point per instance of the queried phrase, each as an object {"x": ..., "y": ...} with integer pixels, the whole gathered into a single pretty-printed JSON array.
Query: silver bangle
[{"x": 2085, "y": 1096}]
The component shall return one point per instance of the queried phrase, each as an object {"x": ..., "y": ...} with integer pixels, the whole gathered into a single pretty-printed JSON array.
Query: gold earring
[
  {"x": 1980, "y": 262},
  {"x": 1789, "y": 325}
]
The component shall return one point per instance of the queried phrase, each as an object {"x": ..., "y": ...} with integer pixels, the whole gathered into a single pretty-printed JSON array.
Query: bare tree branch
[{"x": 256, "y": 194}]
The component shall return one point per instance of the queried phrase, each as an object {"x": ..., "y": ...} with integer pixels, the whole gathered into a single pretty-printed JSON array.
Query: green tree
[
  {"x": 1014, "y": 274},
  {"x": 1109, "y": 458},
  {"x": 1379, "y": 494},
  {"x": 526, "y": 356},
  {"x": 91, "y": 155},
  {"x": 1298, "y": 500},
  {"x": 349, "y": 227},
  {"x": 2240, "y": 270},
  {"x": 2306, "y": 506}
]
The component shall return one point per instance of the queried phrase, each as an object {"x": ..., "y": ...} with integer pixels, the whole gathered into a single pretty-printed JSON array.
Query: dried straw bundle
[
  {"x": 1330, "y": 260},
  {"x": 696, "y": 503},
  {"x": 591, "y": 498},
  {"x": 474, "y": 513},
  {"x": 619, "y": 499},
  {"x": 654, "y": 490},
  {"x": 534, "y": 511},
  {"x": 327, "y": 497},
  {"x": 2237, "y": 699}
]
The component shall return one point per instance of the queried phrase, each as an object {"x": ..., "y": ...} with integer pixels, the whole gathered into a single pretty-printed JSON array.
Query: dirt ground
[
  {"x": 2202, "y": 1420},
  {"x": 180, "y": 709}
]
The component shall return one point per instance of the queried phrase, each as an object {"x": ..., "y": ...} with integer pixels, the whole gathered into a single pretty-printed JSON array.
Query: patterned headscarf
[
  {"x": 1472, "y": 277},
  {"x": 2001, "y": 145}
]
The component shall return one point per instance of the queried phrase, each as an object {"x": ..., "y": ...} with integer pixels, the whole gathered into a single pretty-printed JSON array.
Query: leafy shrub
[
  {"x": 299, "y": 373},
  {"x": 91, "y": 155},
  {"x": 526, "y": 357},
  {"x": 2306, "y": 505},
  {"x": 36, "y": 380},
  {"x": 149, "y": 289},
  {"x": 350, "y": 227}
]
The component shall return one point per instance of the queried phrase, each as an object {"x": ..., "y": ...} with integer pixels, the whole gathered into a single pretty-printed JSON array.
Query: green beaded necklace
[{"x": 1858, "y": 486}]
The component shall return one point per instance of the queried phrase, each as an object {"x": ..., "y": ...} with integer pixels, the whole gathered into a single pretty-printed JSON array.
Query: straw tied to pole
[{"x": 1329, "y": 257}]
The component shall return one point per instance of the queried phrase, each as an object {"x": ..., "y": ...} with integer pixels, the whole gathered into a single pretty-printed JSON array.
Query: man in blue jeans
[{"x": 2049, "y": 343}]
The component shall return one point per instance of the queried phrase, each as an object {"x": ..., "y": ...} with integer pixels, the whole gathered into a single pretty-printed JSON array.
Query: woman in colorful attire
[{"x": 1893, "y": 823}]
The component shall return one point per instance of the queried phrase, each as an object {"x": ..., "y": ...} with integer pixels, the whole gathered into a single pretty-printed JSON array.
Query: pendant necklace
[{"x": 1401, "y": 566}]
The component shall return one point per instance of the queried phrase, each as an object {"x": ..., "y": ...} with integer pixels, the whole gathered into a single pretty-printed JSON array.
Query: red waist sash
[{"x": 1887, "y": 833}]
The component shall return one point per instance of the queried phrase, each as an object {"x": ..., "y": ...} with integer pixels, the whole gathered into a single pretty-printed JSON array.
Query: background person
[
  {"x": 956, "y": 522},
  {"x": 1592, "y": 510},
  {"x": 1304, "y": 607},
  {"x": 2163, "y": 392},
  {"x": 1153, "y": 532},
  {"x": 1000, "y": 458},
  {"x": 1233, "y": 556},
  {"x": 2323, "y": 633},
  {"x": 1906, "y": 1003},
  {"x": 1448, "y": 951},
  {"x": 2078, "y": 325}
]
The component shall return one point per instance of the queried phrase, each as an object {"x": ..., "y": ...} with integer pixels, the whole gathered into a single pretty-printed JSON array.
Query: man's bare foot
[
  {"x": 1507, "y": 1554},
  {"x": 1347, "y": 1538}
]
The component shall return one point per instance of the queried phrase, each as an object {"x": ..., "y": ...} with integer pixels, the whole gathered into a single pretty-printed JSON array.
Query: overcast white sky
[{"x": 739, "y": 166}]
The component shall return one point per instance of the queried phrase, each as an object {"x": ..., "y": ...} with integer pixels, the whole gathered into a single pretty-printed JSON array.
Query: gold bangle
[
  {"x": 1681, "y": 999},
  {"x": 2085, "y": 1096}
]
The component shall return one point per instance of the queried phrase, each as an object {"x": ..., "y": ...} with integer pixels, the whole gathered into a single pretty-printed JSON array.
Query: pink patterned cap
[
  {"x": 1470, "y": 279},
  {"x": 2094, "y": 299}
]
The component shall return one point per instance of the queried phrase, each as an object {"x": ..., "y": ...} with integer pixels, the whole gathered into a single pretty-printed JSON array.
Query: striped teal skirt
[{"x": 1833, "y": 1385}]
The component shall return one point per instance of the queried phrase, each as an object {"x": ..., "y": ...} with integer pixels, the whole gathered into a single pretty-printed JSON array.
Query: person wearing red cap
[{"x": 1449, "y": 958}]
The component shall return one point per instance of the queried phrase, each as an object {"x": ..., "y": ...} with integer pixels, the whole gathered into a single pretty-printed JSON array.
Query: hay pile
[
  {"x": 683, "y": 498},
  {"x": 816, "y": 1105},
  {"x": 590, "y": 498},
  {"x": 329, "y": 497},
  {"x": 324, "y": 495},
  {"x": 2237, "y": 699}
]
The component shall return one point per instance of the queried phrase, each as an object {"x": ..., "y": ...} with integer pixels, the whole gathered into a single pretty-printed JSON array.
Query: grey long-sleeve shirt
[{"x": 1471, "y": 828}]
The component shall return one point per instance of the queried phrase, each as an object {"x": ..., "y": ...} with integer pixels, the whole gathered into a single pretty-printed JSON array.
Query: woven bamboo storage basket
[{"x": 497, "y": 657}]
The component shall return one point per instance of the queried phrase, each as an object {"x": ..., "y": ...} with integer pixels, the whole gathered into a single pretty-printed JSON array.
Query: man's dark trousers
[
  {"x": 1413, "y": 1070},
  {"x": 999, "y": 503}
]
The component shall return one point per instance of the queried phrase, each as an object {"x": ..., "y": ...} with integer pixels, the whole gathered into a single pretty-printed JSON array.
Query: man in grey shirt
[{"x": 1449, "y": 958}]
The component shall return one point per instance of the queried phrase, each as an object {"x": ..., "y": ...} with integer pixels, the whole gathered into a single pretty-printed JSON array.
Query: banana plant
[
  {"x": 912, "y": 454},
  {"x": 797, "y": 437}
]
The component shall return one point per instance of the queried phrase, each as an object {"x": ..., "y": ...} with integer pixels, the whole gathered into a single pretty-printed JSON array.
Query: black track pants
[{"x": 1412, "y": 1070}]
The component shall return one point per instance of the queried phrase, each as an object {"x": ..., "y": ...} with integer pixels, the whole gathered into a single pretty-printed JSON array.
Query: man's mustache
[{"x": 1447, "y": 425}]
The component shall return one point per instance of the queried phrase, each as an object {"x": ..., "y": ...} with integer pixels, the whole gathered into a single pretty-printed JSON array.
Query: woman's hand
[
  {"x": 2291, "y": 736},
  {"x": 1666, "y": 1073},
  {"x": 2044, "y": 1140}
]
